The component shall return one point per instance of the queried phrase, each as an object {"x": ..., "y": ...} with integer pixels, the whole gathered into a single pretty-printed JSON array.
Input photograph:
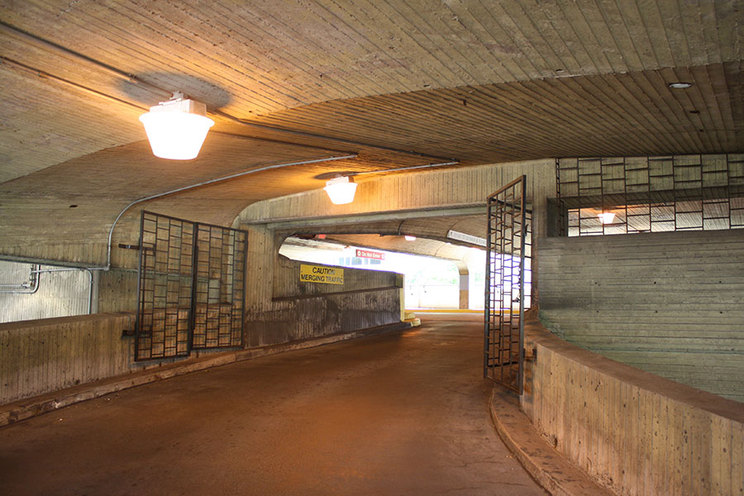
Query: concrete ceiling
[
  {"x": 431, "y": 235},
  {"x": 396, "y": 82},
  {"x": 457, "y": 253}
]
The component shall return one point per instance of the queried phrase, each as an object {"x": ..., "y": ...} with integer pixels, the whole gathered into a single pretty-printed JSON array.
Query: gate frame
[
  {"x": 525, "y": 221},
  {"x": 193, "y": 290}
]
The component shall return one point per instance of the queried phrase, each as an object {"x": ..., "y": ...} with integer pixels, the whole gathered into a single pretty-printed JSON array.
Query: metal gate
[
  {"x": 507, "y": 285},
  {"x": 191, "y": 287}
]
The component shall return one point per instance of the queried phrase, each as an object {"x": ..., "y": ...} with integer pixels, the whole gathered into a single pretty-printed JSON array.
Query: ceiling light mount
[
  {"x": 177, "y": 128},
  {"x": 341, "y": 190},
  {"x": 680, "y": 85}
]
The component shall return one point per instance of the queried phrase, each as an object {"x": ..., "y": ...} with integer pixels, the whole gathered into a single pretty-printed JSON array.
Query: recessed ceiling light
[{"x": 680, "y": 85}]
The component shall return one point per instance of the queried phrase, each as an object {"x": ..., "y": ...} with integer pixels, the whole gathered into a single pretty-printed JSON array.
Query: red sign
[{"x": 375, "y": 255}]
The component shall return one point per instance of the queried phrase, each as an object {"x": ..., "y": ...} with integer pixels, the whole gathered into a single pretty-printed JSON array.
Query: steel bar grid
[
  {"x": 219, "y": 287},
  {"x": 191, "y": 287},
  {"x": 165, "y": 282},
  {"x": 650, "y": 194},
  {"x": 508, "y": 285}
]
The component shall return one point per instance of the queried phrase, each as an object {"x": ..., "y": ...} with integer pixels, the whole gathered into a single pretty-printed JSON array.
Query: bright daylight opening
[{"x": 430, "y": 283}]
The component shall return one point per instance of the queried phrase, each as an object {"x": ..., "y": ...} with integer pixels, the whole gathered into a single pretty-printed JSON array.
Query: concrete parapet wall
[
  {"x": 634, "y": 432},
  {"x": 41, "y": 356}
]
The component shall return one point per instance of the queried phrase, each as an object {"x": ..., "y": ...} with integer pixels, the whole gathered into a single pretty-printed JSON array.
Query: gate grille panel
[
  {"x": 191, "y": 287},
  {"x": 165, "y": 286},
  {"x": 219, "y": 287},
  {"x": 508, "y": 285}
]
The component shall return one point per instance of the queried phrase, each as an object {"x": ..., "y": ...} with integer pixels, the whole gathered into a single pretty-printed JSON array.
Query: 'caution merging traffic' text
[{"x": 321, "y": 275}]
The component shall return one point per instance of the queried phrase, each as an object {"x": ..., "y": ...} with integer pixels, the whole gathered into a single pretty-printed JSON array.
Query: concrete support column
[
  {"x": 261, "y": 260},
  {"x": 464, "y": 289}
]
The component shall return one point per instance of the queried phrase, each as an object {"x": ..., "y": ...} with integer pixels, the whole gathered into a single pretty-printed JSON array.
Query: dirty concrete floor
[{"x": 399, "y": 413}]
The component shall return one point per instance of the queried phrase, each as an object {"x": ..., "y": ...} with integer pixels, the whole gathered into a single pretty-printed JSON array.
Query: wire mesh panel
[
  {"x": 219, "y": 286},
  {"x": 165, "y": 287},
  {"x": 191, "y": 287},
  {"x": 507, "y": 285}
]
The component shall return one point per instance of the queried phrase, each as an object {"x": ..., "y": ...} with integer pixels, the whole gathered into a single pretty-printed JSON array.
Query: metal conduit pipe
[
  {"x": 79, "y": 87},
  {"x": 135, "y": 80},
  {"x": 36, "y": 273},
  {"x": 35, "y": 282},
  {"x": 205, "y": 183},
  {"x": 408, "y": 167},
  {"x": 29, "y": 287},
  {"x": 90, "y": 280}
]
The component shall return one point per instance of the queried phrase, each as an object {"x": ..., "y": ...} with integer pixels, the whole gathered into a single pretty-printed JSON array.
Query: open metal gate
[
  {"x": 507, "y": 285},
  {"x": 191, "y": 287}
]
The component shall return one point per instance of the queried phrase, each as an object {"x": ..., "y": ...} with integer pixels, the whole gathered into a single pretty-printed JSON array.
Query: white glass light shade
[
  {"x": 341, "y": 190},
  {"x": 606, "y": 217},
  {"x": 177, "y": 129}
]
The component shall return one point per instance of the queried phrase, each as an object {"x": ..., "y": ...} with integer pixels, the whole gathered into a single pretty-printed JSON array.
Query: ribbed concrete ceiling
[{"x": 473, "y": 80}]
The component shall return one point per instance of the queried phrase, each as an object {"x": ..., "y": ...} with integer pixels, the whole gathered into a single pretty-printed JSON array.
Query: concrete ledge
[
  {"x": 547, "y": 466},
  {"x": 38, "y": 405},
  {"x": 631, "y": 431}
]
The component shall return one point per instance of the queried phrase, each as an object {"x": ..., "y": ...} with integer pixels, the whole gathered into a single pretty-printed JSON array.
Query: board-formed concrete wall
[
  {"x": 634, "y": 432},
  {"x": 41, "y": 356},
  {"x": 281, "y": 308},
  {"x": 667, "y": 303}
]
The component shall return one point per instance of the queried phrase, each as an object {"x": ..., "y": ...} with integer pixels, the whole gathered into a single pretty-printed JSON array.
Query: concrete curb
[
  {"x": 547, "y": 466},
  {"x": 38, "y": 405}
]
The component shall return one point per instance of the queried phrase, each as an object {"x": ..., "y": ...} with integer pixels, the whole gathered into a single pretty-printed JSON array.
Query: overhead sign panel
[
  {"x": 321, "y": 275},
  {"x": 374, "y": 255}
]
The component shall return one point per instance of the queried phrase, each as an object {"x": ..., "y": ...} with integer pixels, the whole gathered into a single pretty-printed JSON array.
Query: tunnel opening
[{"x": 430, "y": 282}]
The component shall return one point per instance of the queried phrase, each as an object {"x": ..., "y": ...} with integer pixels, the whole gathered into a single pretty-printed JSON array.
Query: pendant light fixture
[
  {"x": 177, "y": 128},
  {"x": 341, "y": 190},
  {"x": 606, "y": 217}
]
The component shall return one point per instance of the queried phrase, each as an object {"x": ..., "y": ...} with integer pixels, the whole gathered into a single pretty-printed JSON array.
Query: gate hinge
[
  {"x": 127, "y": 333},
  {"x": 531, "y": 356},
  {"x": 129, "y": 247}
]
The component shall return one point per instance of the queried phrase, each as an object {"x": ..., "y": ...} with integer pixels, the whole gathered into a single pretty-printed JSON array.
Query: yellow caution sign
[{"x": 321, "y": 275}]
